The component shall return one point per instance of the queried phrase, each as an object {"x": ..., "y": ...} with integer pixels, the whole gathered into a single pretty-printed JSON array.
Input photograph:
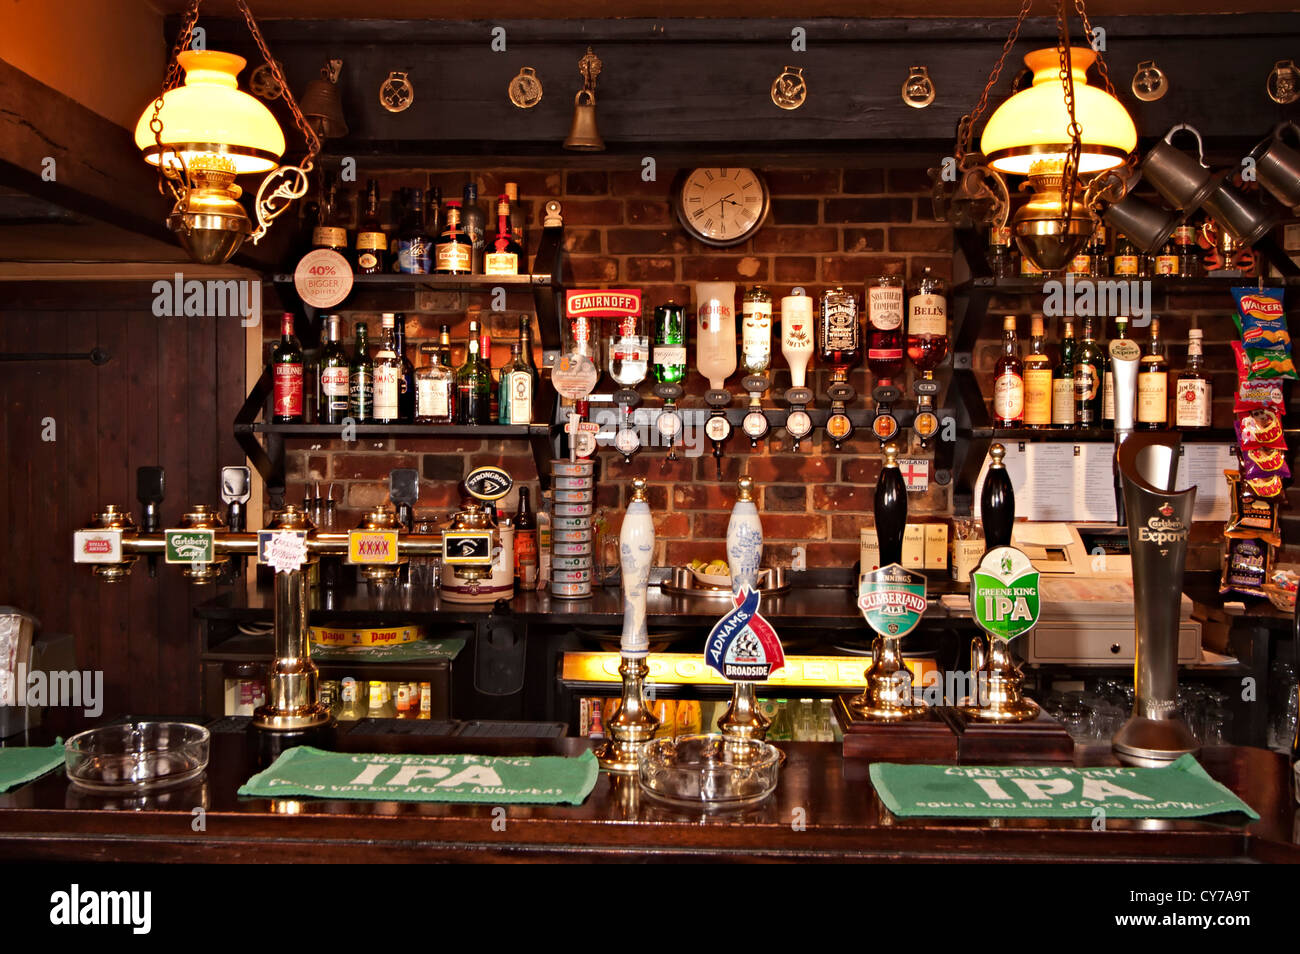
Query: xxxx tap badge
[
  {"x": 370, "y": 547},
  {"x": 892, "y": 599},
  {"x": 743, "y": 646},
  {"x": 1004, "y": 593}
]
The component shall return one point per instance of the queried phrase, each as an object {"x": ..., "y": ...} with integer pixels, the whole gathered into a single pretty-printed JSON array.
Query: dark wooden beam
[{"x": 98, "y": 171}]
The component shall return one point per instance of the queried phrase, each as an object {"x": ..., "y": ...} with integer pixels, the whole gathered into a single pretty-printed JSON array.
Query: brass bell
[
  {"x": 583, "y": 135},
  {"x": 321, "y": 104}
]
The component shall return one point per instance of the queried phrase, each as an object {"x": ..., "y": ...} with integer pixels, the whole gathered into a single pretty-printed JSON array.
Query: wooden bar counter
[{"x": 823, "y": 810}]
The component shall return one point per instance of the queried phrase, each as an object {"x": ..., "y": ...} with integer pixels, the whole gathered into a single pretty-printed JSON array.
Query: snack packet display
[
  {"x": 1258, "y": 462},
  {"x": 1251, "y": 516},
  {"x": 1246, "y": 565},
  {"x": 1255, "y": 395},
  {"x": 1262, "y": 428},
  {"x": 1265, "y": 341}
]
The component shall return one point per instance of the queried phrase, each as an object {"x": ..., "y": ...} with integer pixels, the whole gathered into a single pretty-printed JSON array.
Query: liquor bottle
[
  {"x": 1152, "y": 384},
  {"x": 1194, "y": 392},
  {"x": 515, "y": 393},
  {"x": 332, "y": 406},
  {"x": 444, "y": 346},
  {"x": 526, "y": 349},
  {"x": 670, "y": 343},
  {"x": 473, "y": 384},
  {"x": 1166, "y": 260},
  {"x": 387, "y": 373},
  {"x": 474, "y": 222},
  {"x": 517, "y": 216},
  {"x": 1009, "y": 380},
  {"x": 426, "y": 701},
  {"x": 353, "y": 708},
  {"x": 331, "y": 232},
  {"x": 627, "y": 352},
  {"x": 415, "y": 257},
  {"x": 885, "y": 328},
  {"x": 927, "y": 323},
  {"x": 435, "y": 390},
  {"x": 1081, "y": 264},
  {"x": 503, "y": 254},
  {"x": 839, "y": 338},
  {"x": 526, "y": 544},
  {"x": 406, "y": 384},
  {"x": 797, "y": 336},
  {"x": 1038, "y": 379},
  {"x": 454, "y": 253},
  {"x": 372, "y": 240},
  {"x": 1108, "y": 376},
  {"x": 756, "y": 331},
  {"x": 286, "y": 372},
  {"x": 1088, "y": 365},
  {"x": 1127, "y": 260},
  {"x": 1189, "y": 252},
  {"x": 715, "y": 332},
  {"x": 1028, "y": 269},
  {"x": 361, "y": 379},
  {"x": 400, "y": 204},
  {"x": 1099, "y": 261},
  {"x": 381, "y": 704},
  {"x": 1063, "y": 410},
  {"x": 434, "y": 217},
  {"x": 1002, "y": 260}
]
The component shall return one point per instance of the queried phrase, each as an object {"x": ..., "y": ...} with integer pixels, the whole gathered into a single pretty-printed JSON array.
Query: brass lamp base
[
  {"x": 888, "y": 695},
  {"x": 633, "y": 725}
]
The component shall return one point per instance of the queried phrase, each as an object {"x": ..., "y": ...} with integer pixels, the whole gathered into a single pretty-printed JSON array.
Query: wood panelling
[{"x": 167, "y": 396}]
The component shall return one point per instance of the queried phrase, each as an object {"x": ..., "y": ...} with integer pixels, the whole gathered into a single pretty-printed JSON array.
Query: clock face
[{"x": 721, "y": 207}]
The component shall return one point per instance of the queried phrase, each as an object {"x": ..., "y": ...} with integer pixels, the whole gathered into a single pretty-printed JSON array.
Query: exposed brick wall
[{"x": 826, "y": 227}]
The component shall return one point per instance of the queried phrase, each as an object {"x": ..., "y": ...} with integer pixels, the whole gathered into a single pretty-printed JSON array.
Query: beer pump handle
[
  {"x": 997, "y": 502},
  {"x": 891, "y": 509},
  {"x": 236, "y": 487},
  {"x": 149, "y": 484}
]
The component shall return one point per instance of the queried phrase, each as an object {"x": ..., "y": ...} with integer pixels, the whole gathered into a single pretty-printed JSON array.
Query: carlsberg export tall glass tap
[
  {"x": 742, "y": 646},
  {"x": 633, "y": 725},
  {"x": 1159, "y": 520}
]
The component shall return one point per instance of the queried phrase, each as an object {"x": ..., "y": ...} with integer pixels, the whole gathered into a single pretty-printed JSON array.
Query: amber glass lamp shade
[
  {"x": 208, "y": 116},
  {"x": 1031, "y": 129}
]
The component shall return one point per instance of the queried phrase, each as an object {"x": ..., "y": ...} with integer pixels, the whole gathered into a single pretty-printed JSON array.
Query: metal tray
[{"x": 684, "y": 583}]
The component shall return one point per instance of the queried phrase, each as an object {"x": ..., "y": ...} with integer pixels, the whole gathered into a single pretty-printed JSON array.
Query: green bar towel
[
  {"x": 20, "y": 764},
  {"x": 494, "y": 780},
  {"x": 1183, "y": 789}
]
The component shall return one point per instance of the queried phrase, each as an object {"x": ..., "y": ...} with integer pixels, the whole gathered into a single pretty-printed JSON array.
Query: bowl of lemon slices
[{"x": 716, "y": 574}]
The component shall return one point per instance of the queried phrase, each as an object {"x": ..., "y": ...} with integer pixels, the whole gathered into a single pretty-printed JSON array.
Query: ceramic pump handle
[
  {"x": 891, "y": 509},
  {"x": 636, "y": 551},
  {"x": 997, "y": 502}
]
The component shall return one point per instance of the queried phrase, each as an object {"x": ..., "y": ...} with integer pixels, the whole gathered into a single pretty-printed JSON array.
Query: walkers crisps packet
[{"x": 1262, "y": 322}]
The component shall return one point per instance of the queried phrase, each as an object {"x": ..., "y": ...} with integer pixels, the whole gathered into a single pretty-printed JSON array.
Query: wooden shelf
[
  {"x": 436, "y": 282},
  {"x": 363, "y": 431}
]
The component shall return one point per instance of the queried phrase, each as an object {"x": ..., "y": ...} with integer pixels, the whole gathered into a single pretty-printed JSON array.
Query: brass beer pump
[
  {"x": 888, "y": 695},
  {"x": 633, "y": 725},
  {"x": 290, "y": 544}
]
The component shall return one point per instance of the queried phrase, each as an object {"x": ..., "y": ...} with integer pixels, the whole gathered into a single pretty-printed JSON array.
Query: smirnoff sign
[{"x": 605, "y": 303}]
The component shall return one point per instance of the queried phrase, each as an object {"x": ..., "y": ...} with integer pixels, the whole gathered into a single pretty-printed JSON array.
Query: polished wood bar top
[{"x": 824, "y": 809}]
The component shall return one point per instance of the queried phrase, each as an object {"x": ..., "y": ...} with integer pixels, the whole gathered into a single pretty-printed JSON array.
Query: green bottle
[{"x": 361, "y": 380}]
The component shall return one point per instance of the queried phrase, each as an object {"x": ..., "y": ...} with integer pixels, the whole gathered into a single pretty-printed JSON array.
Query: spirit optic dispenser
[
  {"x": 756, "y": 359},
  {"x": 715, "y": 356},
  {"x": 885, "y": 307},
  {"x": 839, "y": 341},
  {"x": 627, "y": 354},
  {"x": 797, "y": 347},
  {"x": 670, "y": 370}
]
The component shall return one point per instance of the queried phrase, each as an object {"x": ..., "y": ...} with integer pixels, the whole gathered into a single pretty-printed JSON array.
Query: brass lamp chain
[
  {"x": 309, "y": 134},
  {"x": 966, "y": 125},
  {"x": 170, "y": 81},
  {"x": 1076, "y": 134}
]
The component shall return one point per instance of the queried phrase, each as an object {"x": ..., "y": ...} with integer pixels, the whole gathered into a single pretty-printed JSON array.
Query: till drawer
[{"x": 1100, "y": 645}]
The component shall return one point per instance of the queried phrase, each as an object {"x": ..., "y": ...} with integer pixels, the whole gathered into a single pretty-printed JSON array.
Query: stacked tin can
[{"x": 572, "y": 538}]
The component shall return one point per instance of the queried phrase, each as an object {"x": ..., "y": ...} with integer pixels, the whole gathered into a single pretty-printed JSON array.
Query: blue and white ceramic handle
[
  {"x": 636, "y": 549},
  {"x": 744, "y": 539}
]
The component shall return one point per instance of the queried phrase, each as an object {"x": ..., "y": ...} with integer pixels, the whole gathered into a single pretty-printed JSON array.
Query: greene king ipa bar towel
[
  {"x": 20, "y": 764},
  {"x": 496, "y": 780},
  {"x": 1181, "y": 790}
]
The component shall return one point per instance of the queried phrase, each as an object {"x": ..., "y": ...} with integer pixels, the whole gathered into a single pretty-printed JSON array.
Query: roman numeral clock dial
[{"x": 721, "y": 207}]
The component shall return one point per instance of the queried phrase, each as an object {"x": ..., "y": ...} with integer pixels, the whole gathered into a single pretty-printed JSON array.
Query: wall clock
[{"x": 721, "y": 207}]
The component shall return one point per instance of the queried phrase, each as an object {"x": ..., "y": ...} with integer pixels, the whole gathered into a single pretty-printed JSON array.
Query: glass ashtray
[
  {"x": 137, "y": 756},
  {"x": 709, "y": 771}
]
